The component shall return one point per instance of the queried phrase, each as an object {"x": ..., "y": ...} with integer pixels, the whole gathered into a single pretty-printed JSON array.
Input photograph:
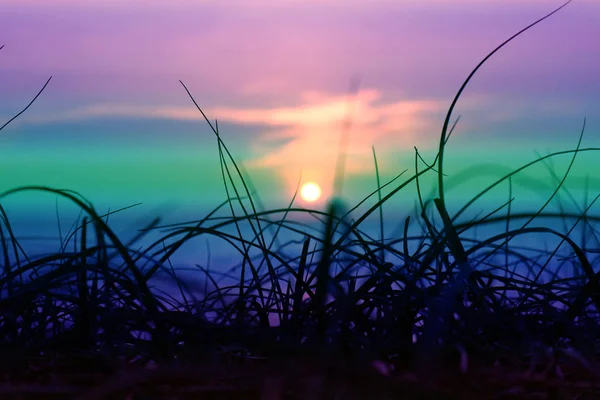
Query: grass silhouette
[{"x": 349, "y": 315}]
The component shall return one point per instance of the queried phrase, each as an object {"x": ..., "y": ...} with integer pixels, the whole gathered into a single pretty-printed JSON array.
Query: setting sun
[{"x": 310, "y": 192}]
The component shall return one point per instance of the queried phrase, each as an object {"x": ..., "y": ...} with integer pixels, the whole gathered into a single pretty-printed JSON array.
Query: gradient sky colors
[{"x": 115, "y": 123}]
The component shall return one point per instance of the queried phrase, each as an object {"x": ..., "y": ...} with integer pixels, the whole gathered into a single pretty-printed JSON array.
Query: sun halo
[{"x": 310, "y": 192}]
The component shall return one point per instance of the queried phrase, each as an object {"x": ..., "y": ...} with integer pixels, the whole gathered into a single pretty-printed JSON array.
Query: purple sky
[{"x": 281, "y": 69}]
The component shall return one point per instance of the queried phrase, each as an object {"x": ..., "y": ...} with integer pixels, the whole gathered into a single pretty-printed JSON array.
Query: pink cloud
[{"x": 314, "y": 133}]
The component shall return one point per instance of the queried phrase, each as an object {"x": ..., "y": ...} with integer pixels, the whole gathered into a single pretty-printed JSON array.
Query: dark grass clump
[{"x": 333, "y": 314}]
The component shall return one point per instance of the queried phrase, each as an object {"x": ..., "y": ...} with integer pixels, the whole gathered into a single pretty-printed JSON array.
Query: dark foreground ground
[{"x": 89, "y": 376}]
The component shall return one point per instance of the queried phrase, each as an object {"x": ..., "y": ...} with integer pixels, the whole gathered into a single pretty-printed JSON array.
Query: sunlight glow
[{"x": 310, "y": 192}]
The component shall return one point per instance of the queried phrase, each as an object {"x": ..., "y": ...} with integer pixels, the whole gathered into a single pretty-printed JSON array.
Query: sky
[{"x": 116, "y": 124}]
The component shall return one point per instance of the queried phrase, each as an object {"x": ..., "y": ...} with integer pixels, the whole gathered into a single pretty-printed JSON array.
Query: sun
[{"x": 310, "y": 192}]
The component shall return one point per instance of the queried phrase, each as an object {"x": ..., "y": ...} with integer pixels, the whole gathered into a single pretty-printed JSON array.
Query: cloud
[
  {"x": 115, "y": 110},
  {"x": 314, "y": 131},
  {"x": 306, "y": 134}
]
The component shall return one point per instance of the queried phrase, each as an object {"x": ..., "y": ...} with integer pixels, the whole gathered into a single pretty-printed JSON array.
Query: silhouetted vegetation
[{"x": 349, "y": 315}]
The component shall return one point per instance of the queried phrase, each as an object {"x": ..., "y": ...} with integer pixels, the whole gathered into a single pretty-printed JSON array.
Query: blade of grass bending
[
  {"x": 83, "y": 314},
  {"x": 261, "y": 207},
  {"x": 417, "y": 155},
  {"x": 16, "y": 246},
  {"x": 173, "y": 247},
  {"x": 221, "y": 143},
  {"x": 300, "y": 286},
  {"x": 453, "y": 241},
  {"x": 381, "y": 230},
  {"x": 549, "y": 164},
  {"x": 283, "y": 218},
  {"x": 28, "y": 105},
  {"x": 474, "y": 223},
  {"x": 564, "y": 176},
  {"x": 568, "y": 233},
  {"x": 373, "y": 193},
  {"x": 366, "y": 214},
  {"x": 516, "y": 171},
  {"x": 38, "y": 262},
  {"x": 507, "y": 225},
  {"x": 367, "y": 256},
  {"x": 585, "y": 234},
  {"x": 179, "y": 284},
  {"x": 218, "y": 289},
  {"x": 584, "y": 230},
  {"x": 405, "y": 237},
  {"x": 441, "y": 308},
  {"x": 246, "y": 259},
  {"x": 274, "y": 279},
  {"x": 76, "y": 226},
  {"x": 460, "y": 91},
  {"x": 430, "y": 227},
  {"x": 60, "y": 235},
  {"x": 10, "y": 315},
  {"x": 71, "y": 233},
  {"x": 286, "y": 306},
  {"x": 322, "y": 273},
  {"x": 532, "y": 217},
  {"x": 246, "y": 256},
  {"x": 146, "y": 296},
  {"x": 562, "y": 211},
  {"x": 373, "y": 208},
  {"x": 590, "y": 289},
  {"x": 102, "y": 253},
  {"x": 231, "y": 238},
  {"x": 6, "y": 255},
  {"x": 526, "y": 215}
]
